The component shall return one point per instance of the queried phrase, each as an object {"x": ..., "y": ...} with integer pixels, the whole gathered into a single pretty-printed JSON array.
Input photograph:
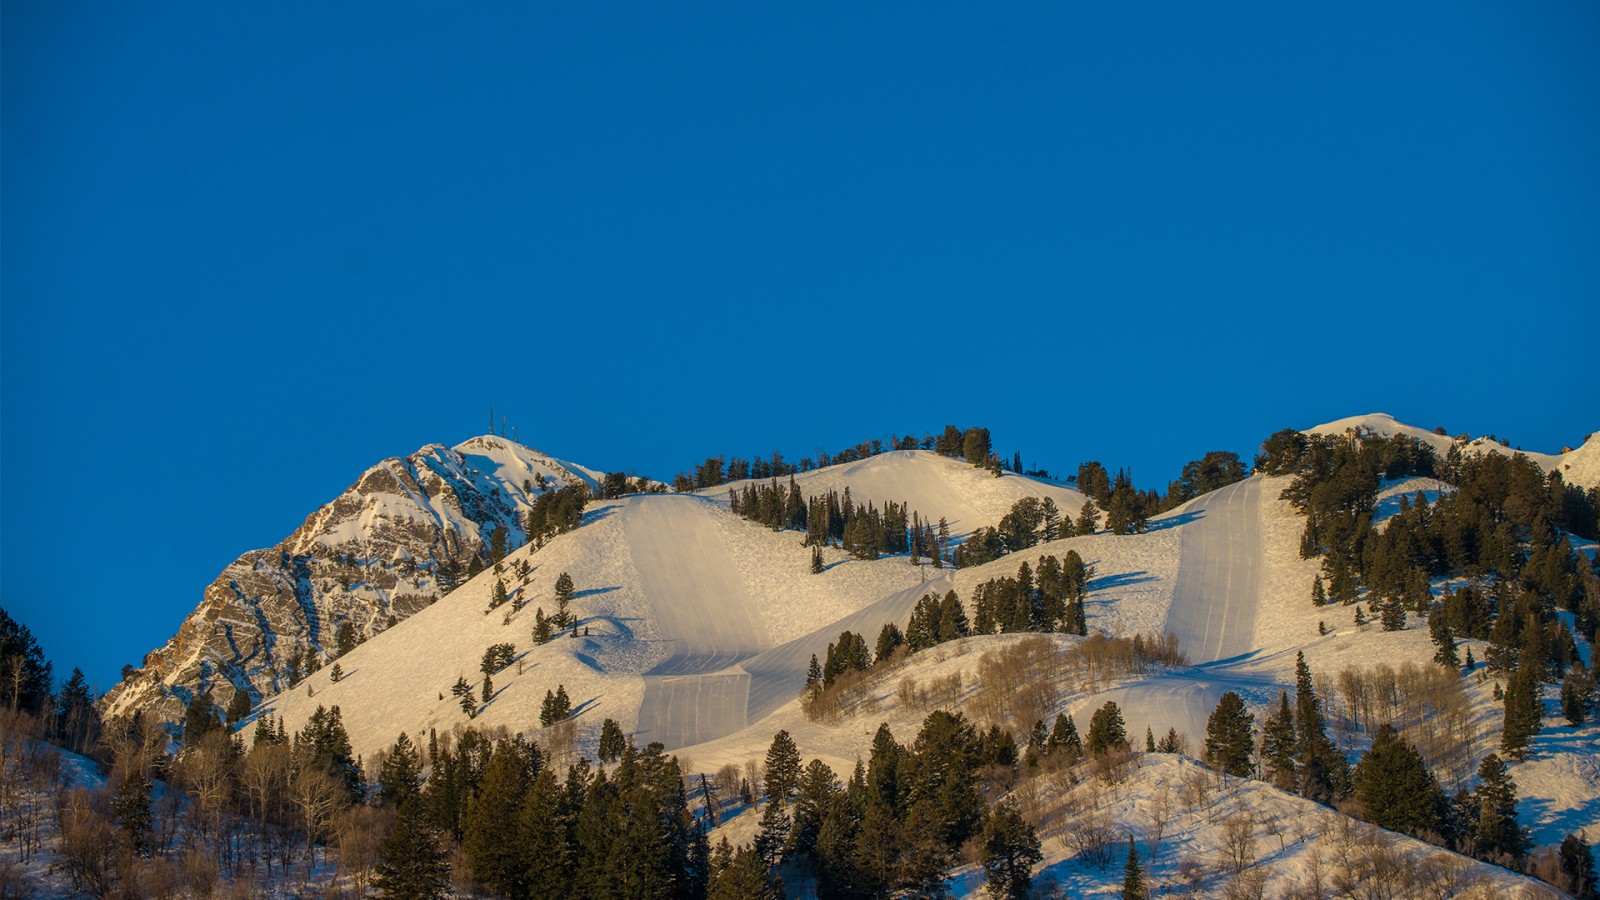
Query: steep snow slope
[
  {"x": 934, "y": 486},
  {"x": 370, "y": 558},
  {"x": 669, "y": 587}
]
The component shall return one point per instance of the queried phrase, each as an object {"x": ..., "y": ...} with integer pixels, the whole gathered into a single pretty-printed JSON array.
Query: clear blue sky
[{"x": 251, "y": 249}]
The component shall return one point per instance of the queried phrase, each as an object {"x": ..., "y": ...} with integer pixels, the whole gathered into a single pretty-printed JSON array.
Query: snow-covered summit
[
  {"x": 1580, "y": 467},
  {"x": 936, "y": 486},
  {"x": 369, "y": 558}
]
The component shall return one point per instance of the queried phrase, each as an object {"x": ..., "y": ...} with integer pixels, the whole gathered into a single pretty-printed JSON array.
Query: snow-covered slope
[
  {"x": 370, "y": 558},
  {"x": 1579, "y": 467},
  {"x": 669, "y": 588},
  {"x": 934, "y": 486}
]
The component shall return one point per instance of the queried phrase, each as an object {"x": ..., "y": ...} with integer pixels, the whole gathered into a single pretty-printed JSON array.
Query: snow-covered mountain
[
  {"x": 370, "y": 558},
  {"x": 695, "y": 628}
]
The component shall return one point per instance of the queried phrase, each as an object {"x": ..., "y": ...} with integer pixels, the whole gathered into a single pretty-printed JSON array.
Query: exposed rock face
[{"x": 391, "y": 544}]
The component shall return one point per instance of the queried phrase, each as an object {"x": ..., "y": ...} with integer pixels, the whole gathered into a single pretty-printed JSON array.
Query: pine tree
[
  {"x": 1106, "y": 731},
  {"x": 494, "y": 861},
  {"x": 400, "y": 778},
  {"x": 1008, "y": 851},
  {"x": 1577, "y": 868},
  {"x": 1230, "y": 736},
  {"x": 1278, "y": 745},
  {"x": 774, "y": 834},
  {"x": 564, "y": 593},
  {"x": 412, "y": 861},
  {"x": 556, "y": 706},
  {"x": 612, "y": 741},
  {"x": 1323, "y": 773},
  {"x": 1319, "y": 594},
  {"x": 1524, "y": 710},
  {"x": 1496, "y": 832},
  {"x": 199, "y": 719},
  {"x": 783, "y": 768},
  {"x": 1149, "y": 740},
  {"x": 1088, "y": 518},
  {"x": 741, "y": 875},
  {"x": 816, "y": 560},
  {"x": 1577, "y": 693},
  {"x": 1133, "y": 887},
  {"x": 1064, "y": 739},
  {"x": 130, "y": 808},
  {"x": 336, "y": 675},
  {"x": 544, "y": 840},
  {"x": 542, "y": 632},
  {"x": 1439, "y": 631},
  {"x": 1395, "y": 788}
]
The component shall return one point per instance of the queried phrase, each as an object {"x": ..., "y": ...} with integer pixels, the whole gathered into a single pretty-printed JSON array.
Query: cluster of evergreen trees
[
  {"x": 1390, "y": 786},
  {"x": 1501, "y": 527},
  {"x": 1049, "y": 600},
  {"x": 895, "y": 827},
  {"x": 833, "y": 518},
  {"x": 555, "y": 512}
]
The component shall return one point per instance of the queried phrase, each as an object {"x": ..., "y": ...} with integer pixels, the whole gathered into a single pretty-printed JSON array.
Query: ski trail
[
  {"x": 1217, "y": 593},
  {"x": 703, "y": 609}
]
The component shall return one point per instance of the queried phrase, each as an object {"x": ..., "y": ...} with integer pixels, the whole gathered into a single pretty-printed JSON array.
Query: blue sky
[{"x": 250, "y": 250}]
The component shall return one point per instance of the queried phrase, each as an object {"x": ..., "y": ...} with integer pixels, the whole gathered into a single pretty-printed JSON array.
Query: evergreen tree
[
  {"x": 1395, "y": 788},
  {"x": 199, "y": 719},
  {"x": 542, "y": 632},
  {"x": 1149, "y": 740},
  {"x": 412, "y": 861},
  {"x": 24, "y": 672},
  {"x": 814, "y": 796},
  {"x": 1106, "y": 731},
  {"x": 77, "y": 722},
  {"x": 1064, "y": 739},
  {"x": 1577, "y": 868},
  {"x": 556, "y": 707},
  {"x": 783, "y": 768},
  {"x": 741, "y": 875},
  {"x": 816, "y": 560},
  {"x": 400, "y": 778},
  {"x": 1439, "y": 631},
  {"x": 544, "y": 840},
  {"x": 1319, "y": 595},
  {"x": 774, "y": 835},
  {"x": 1577, "y": 693},
  {"x": 495, "y": 861},
  {"x": 1133, "y": 887},
  {"x": 1323, "y": 773},
  {"x": 1496, "y": 832},
  {"x": 1278, "y": 745},
  {"x": 564, "y": 593},
  {"x": 611, "y": 741},
  {"x": 130, "y": 808},
  {"x": 1088, "y": 518},
  {"x": 1524, "y": 710},
  {"x": 1230, "y": 736},
  {"x": 238, "y": 706},
  {"x": 1008, "y": 851}
]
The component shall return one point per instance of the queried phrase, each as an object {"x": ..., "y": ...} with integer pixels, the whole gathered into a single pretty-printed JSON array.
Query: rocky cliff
[{"x": 392, "y": 543}]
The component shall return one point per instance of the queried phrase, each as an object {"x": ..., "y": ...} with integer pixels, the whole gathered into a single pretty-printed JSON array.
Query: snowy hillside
[
  {"x": 935, "y": 486},
  {"x": 669, "y": 588},
  {"x": 1580, "y": 466},
  {"x": 369, "y": 559}
]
